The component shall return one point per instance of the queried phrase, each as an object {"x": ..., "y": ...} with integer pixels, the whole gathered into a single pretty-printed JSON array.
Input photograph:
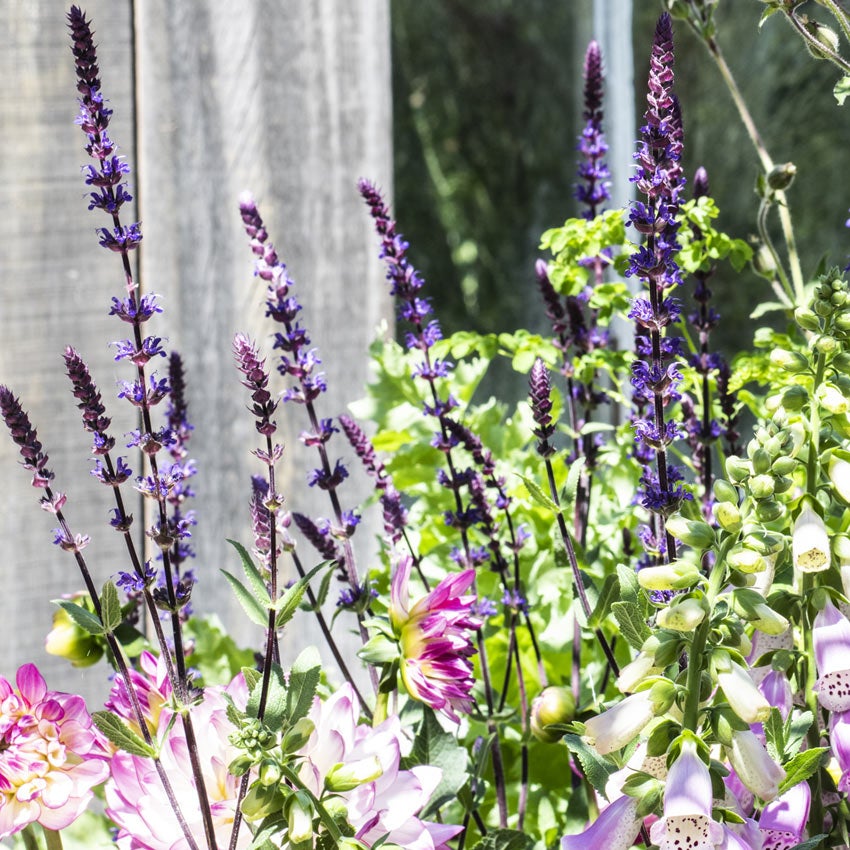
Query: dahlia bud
[{"x": 555, "y": 704}]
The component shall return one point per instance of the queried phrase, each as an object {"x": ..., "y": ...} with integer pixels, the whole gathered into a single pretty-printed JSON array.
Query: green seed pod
[
  {"x": 761, "y": 461},
  {"x": 761, "y": 486},
  {"x": 737, "y": 469},
  {"x": 769, "y": 510},
  {"x": 725, "y": 492},
  {"x": 555, "y": 704},
  {"x": 807, "y": 319},
  {"x": 782, "y": 176},
  {"x": 728, "y": 516}
]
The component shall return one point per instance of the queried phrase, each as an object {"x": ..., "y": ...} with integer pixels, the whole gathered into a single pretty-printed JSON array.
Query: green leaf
[
  {"x": 573, "y": 476},
  {"x": 120, "y": 734},
  {"x": 842, "y": 90},
  {"x": 303, "y": 681},
  {"x": 110, "y": 607},
  {"x": 214, "y": 653},
  {"x": 811, "y": 843},
  {"x": 630, "y": 619},
  {"x": 537, "y": 494},
  {"x": 802, "y": 766},
  {"x": 796, "y": 728},
  {"x": 505, "y": 839},
  {"x": 596, "y": 769},
  {"x": 433, "y": 745},
  {"x": 256, "y": 580},
  {"x": 87, "y": 621},
  {"x": 774, "y": 731},
  {"x": 275, "y": 706},
  {"x": 610, "y": 591},
  {"x": 288, "y": 603},
  {"x": 256, "y": 613},
  {"x": 629, "y": 586}
]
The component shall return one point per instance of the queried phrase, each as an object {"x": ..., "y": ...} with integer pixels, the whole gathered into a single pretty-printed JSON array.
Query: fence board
[{"x": 290, "y": 100}]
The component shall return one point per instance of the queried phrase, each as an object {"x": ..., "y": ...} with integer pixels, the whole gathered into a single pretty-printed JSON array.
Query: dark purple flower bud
[
  {"x": 25, "y": 437},
  {"x": 95, "y": 419},
  {"x": 701, "y": 187},
  {"x": 256, "y": 379},
  {"x": 328, "y": 479},
  {"x": 593, "y": 190},
  {"x": 394, "y": 513},
  {"x": 323, "y": 543},
  {"x": 363, "y": 449},
  {"x": 540, "y": 391}
]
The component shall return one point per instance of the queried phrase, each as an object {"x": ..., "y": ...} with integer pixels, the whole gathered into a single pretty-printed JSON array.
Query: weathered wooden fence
[{"x": 286, "y": 98}]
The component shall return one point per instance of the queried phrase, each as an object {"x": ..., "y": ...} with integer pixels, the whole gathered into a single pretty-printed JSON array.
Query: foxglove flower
[
  {"x": 783, "y": 820},
  {"x": 615, "y": 829},
  {"x": 435, "y": 635},
  {"x": 50, "y": 757},
  {"x": 687, "y": 821},
  {"x": 839, "y": 742},
  {"x": 755, "y": 768},
  {"x": 621, "y": 724},
  {"x": 810, "y": 542},
  {"x": 831, "y": 638}
]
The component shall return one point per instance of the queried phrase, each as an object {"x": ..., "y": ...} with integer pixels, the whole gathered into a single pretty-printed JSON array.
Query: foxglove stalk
[
  {"x": 831, "y": 639},
  {"x": 615, "y": 829},
  {"x": 687, "y": 821},
  {"x": 655, "y": 375},
  {"x": 435, "y": 635}
]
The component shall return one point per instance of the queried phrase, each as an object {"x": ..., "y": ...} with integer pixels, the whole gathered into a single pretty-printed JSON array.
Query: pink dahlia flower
[
  {"x": 388, "y": 804},
  {"x": 136, "y": 801},
  {"x": 435, "y": 634},
  {"x": 152, "y": 690},
  {"x": 50, "y": 757}
]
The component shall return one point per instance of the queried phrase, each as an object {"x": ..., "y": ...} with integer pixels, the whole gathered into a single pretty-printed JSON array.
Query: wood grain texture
[{"x": 288, "y": 99}]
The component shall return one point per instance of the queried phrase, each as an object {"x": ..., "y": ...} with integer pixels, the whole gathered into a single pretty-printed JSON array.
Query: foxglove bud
[
  {"x": 345, "y": 777},
  {"x": 831, "y": 399},
  {"x": 691, "y": 532},
  {"x": 755, "y": 768},
  {"x": 741, "y": 693},
  {"x": 839, "y": 473},
  {"x": 745, "y": 560},
  {"x": 299, "y": 813},
  {"x": 728, "y": 516},
  {"x": 791, "y": 361},
  {"x": 682, "y": 615},
  {"x": 751, "y": 605},
  {"x": 676, "y": 576},
  {"x": 620, "y": 724}
]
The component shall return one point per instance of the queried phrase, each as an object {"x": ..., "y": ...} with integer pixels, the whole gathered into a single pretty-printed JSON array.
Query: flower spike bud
[
  {"x": 741, "y": 693},
  {"x": 831, "y": 638},
  {"x": 810, "y": 542},
  {"x": 755, "y": 768},
  {"x": 614, "y": 829},
  {"x": 620, "y": 724}
]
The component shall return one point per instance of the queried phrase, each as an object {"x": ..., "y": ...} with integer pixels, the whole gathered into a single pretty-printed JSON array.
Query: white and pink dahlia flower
[{"x": 50, "y": 756}]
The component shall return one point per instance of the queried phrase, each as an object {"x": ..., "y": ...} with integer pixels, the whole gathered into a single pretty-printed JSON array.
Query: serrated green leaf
[
  {"x": 324, "y": 588},
  {"x": 505, "y": 839},
  {"x": 610, "y": 591},
  {"x": 596, "y": 769},
  {"x": 633, "y": 627},
  {"x": 274, "y": 709},
  {"x": 629, "y": 586},
  {"x": 811, "y": 843},
  {"x": 802, "y": 766},
  {"x": 287, "y": 604},
  {"x": 796, "y": 728},
  {"x": 110, "y": 607},
  {"x": 538, "y": 495},
  {"x": 87, "y": 621},
  {"x": 303, "y": 681},
  {"x": 255, "y": 579},
  {"x": 573, "y": 477},
  {"x": 774, "y": 731},
  {"x": 256, "y": 613},
  {"x": 251, "y": 676},
  {"x": 120, "y": 734}
]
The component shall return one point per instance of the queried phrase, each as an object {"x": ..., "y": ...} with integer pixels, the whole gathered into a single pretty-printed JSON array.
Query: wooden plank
[
  {"x": 56, "y": 285},
  {"x": 291, "y": 101}
]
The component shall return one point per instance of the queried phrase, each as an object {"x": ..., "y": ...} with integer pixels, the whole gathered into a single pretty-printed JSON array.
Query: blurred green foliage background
[{"x": 487, "y": 100}]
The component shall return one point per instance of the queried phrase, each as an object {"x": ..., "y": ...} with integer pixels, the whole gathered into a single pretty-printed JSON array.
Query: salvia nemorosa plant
[{"x": 529, "y": 686}]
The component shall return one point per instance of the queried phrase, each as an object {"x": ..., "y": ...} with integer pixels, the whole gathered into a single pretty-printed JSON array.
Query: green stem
[
  {"x": 325, "y": 817},
  {"x": 815, "y": 43},
  {"x": 52, "y": 838},
  {"x": 766, "y": 163}
]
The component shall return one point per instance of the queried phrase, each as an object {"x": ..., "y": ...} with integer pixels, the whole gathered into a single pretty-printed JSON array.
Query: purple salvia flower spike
[
  {"x": 540, "y": 391},
  {"x": 654, "y": 375},
  {"x": 256, "y": 379},
  {"x": 25, "y": 436},
  {"x": 593, "y": 191}
]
